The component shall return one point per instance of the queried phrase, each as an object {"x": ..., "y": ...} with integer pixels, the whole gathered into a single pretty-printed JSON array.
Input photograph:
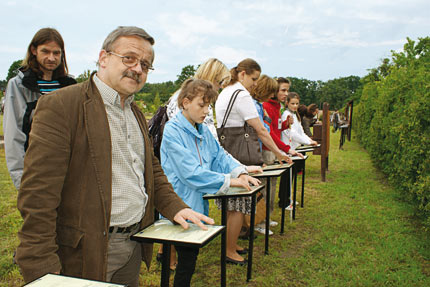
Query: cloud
[
  {"x": 11, "y": 3},
  {"x": 187, "y": 29},
  {"x": 12, "y": 50},
  {"x": 228, "y": 55},
  {"x": 278, "y": 12},
  {"x": 333, "y": 38}
]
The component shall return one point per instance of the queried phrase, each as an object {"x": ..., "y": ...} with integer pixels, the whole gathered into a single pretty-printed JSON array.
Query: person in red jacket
[{"x": 273, "y": 109}]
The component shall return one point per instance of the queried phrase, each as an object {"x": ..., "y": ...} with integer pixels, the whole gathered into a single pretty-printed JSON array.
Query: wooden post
[{"x": 325, "y": 143}]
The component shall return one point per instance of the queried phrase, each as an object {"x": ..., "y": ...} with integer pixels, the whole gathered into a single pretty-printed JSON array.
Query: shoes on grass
[
  {"x": 236, "y": 262},
  {"x": 263, "y": 230},
  {"x": 273, "y": 223},
  {"x": 289, "y": 207}
]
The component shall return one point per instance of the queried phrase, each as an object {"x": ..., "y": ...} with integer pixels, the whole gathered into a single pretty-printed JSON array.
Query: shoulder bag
[{"x": 241, "y": 142}]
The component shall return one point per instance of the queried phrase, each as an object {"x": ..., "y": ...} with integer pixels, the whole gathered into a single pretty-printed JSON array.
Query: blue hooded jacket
[{"x": 195, "y": 163}]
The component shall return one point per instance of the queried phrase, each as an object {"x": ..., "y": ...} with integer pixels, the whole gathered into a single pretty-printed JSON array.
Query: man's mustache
[{"x": 133, "y": 75}]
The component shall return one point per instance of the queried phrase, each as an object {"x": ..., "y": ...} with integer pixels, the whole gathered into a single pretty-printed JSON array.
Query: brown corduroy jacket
[{"x": 65, "y": 195}]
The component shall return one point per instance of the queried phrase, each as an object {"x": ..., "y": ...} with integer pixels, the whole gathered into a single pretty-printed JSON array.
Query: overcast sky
[{"x": 316, "y": 40}]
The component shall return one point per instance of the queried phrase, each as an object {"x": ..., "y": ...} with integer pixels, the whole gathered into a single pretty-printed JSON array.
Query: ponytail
[
  {"x": 247, "y": 65},
  {"x": 234, "y": 75}
]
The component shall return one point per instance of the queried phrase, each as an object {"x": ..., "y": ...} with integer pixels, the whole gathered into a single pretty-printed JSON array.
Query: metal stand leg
[
  {"x": 294, "y": 194},
  {"x": 165, "y": 266},
  {"x": 251, "y": 237},
  {"x": 266, "y": 236},
  {"x": 283, "y": 201},
  {"x": 303, "y": 184},
  {"x": 223, "y": 241}
]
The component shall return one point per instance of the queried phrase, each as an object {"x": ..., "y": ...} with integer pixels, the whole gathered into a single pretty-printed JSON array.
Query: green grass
[
  {"x": 355, "y": 230},
  {"x": 1, "y": 125}
]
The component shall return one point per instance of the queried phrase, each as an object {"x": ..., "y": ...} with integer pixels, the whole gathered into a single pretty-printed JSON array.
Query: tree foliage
[
  {"x": 3, "y": 85},
  {"x": 392, "y": 120},
  {"x": 336, "y": 92},
  {"x": 84, "y": 76},
  {"x": 13, "y": 70},
  {"x": 187, "y": 72},
  {"x": 308, "y": 90},
  {"x": 339, "y": 91}
]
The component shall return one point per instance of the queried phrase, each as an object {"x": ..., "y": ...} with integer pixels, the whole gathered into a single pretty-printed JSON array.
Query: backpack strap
[{"x": 230, "y": 106}]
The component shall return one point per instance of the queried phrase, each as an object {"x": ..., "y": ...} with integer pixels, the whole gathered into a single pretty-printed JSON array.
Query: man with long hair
[{"x": 43, "y": 70}]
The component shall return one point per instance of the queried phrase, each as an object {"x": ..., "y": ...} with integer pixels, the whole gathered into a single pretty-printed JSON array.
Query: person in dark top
[{"x": 307, "y": 114}]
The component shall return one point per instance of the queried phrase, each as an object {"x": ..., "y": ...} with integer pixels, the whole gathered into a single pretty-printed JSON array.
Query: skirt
[{"x": 241, "y": 204}]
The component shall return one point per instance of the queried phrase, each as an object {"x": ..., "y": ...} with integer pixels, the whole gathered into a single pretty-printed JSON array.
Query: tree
[
  {"x": 187, "y": 72},
  {"x": 13, "y": 70},
  {"x": 339, "y": 91},
  {"x": 308, "y": 90},
  {"x": 3, "y": 85},
  {"x": 84, "y": 76}
]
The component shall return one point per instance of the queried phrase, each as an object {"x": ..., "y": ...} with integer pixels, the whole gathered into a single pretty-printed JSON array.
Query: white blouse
[
  {"x": 243, "y": 108},
  {"x": 294, "y": 136}
]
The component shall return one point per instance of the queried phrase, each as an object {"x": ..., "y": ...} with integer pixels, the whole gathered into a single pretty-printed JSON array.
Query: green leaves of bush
[{"x": 393, "y": 119}]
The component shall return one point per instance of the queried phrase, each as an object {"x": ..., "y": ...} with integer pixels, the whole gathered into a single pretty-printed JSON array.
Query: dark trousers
[
  {"x": 284, "y": 189},
  {"x": 187, "y": 258}
]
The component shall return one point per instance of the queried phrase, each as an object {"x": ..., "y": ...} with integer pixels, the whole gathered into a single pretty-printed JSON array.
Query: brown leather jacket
[{"x": 65, "y": 194}]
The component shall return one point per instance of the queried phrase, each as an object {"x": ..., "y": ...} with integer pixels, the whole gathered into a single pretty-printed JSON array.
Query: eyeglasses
[{"x": 131, "y": 61}]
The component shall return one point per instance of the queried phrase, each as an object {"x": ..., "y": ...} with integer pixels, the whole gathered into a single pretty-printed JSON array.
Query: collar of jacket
[
  {"x": 187, "y": 126},
  {"x": 30, "y": 78},
  {"x": 274, "y": 102}
]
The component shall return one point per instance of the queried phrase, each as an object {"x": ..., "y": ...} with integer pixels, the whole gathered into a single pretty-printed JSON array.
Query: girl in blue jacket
[{"x": 195, "y": 163}]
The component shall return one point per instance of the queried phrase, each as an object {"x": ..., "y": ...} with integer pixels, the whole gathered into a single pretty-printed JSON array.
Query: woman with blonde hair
[{"x": 214, "y": 71}]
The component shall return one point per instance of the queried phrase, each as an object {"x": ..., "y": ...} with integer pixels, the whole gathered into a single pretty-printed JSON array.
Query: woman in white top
[
  {"x": 214, "y": 71},
  {"x": 295, "y": 136},
  {"x": 243, "y": 77}
]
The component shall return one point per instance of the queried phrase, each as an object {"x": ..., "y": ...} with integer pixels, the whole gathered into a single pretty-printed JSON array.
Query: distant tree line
[{"x": 337, "y": 92}]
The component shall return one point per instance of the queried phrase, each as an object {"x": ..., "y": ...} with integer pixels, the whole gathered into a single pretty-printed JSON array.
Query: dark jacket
[
  {"x": 65, "y": 196},
  {"x": 307, "y": 123}
]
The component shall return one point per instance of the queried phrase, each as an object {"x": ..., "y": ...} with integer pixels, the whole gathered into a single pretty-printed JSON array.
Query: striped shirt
[
  {"x": 48, "y": 86},
  {"x": 128, "y": 157}
]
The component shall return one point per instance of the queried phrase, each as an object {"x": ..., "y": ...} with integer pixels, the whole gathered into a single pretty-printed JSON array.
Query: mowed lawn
[{"x": 355, "y": 230}]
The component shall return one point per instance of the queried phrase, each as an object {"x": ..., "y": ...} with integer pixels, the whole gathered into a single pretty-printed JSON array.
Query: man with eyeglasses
[{"x": 91, "y": 179}]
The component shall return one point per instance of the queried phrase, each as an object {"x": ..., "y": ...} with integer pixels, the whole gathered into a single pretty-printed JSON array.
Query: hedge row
[{"x": 392, "y": 120}]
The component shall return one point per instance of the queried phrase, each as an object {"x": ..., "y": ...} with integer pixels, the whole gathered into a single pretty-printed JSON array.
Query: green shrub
[{"x": 392, "y": 120}]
